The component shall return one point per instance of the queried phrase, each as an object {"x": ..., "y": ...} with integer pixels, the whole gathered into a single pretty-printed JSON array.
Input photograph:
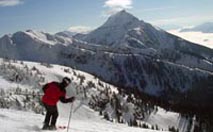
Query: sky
[{"x": 58, "y": 15}]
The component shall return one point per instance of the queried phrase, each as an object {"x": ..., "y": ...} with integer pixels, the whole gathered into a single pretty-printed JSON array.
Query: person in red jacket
[{"x": 53, "y": 92}]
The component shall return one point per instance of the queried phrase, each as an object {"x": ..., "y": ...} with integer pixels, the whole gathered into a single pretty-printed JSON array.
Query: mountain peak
[
  {"x": 114, "y": 29},
  {"x": 121, "y": 18},
  {"x": 122, "y": 12}
]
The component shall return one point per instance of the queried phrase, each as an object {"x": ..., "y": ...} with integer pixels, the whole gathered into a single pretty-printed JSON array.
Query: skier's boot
[
  {"x": 52, "y": 127},
  {"x": 45, "y": 127}
]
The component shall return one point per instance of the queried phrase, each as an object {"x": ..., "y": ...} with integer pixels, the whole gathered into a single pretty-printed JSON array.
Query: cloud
[
  {"x": 117, "y": 5},
  {"x": 80, "y": 29},
  {"x": 205, "y": 39},
  {"x": 125, "y": 4},
  {"x": 10, "y": 2}
]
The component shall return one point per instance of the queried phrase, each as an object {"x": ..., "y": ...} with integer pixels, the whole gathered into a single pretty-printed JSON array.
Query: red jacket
[{"x": 52, "y": 93}]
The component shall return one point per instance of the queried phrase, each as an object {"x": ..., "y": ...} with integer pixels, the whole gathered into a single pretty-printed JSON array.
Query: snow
[
  {"x": 120, "y": 23},
  {"x": 83, "y": 118},
  {"x": 21, "y": 121},
  {"x": 49, "y": 39},
  {"x": 165, "y": 118},
  {"x": 6, "y": 84},
  {"x": 205, "y": 39},
  {"x": 41, "y": 36}
]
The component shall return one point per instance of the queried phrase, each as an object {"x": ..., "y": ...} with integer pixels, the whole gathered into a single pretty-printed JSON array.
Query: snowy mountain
[
  {"x": 66, "y": 34},
  {"x": 124, "y": 51},
  {"x": 118, "y": 23},
  {"x": 32, "y": 45},
  {"x": 205, "y": 28},
  {"x": 125, "y": 31}
]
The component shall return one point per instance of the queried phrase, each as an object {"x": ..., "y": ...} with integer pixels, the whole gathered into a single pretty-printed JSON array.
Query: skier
[{"x": 53, "y": 92}]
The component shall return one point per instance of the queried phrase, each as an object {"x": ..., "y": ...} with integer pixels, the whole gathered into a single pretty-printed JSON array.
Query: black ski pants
[{"x": 51, "y": 115}]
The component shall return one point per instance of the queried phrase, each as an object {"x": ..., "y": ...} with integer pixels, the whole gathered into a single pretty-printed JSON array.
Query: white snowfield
[{"x": 83, "y": 118}]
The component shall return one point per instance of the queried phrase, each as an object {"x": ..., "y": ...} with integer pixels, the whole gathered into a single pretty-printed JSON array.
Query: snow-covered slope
[
  {"x": 46, "y": 38},
  {"x": 19, "y": 121},
  {"x": 23, "y": 82}
]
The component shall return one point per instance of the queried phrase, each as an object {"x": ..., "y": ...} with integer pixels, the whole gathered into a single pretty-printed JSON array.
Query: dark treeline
[{"x": 195, "y": 102}]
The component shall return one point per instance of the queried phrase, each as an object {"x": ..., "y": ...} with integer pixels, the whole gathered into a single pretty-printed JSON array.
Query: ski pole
[
  {"x": 70, "y": 116},
  {"x": 29, "y": 94}
]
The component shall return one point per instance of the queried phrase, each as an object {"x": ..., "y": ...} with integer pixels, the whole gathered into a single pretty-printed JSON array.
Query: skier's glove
[{"x": 71, "y": 99}]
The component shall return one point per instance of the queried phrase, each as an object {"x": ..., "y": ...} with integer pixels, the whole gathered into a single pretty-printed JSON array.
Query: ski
[{"x": 61, "y": 127}]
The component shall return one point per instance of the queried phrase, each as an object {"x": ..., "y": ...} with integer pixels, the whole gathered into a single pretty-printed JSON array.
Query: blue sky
[{"x": 58, "y": 15}]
